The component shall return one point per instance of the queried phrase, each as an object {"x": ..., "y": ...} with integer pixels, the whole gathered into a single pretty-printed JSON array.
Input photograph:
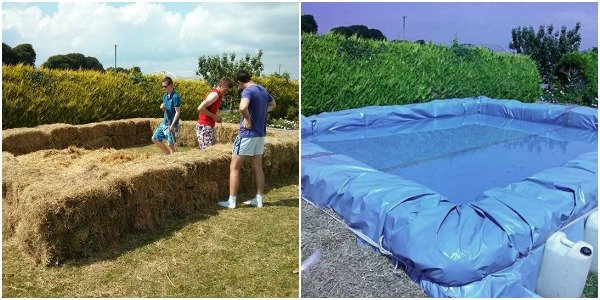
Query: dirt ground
[{"x": 346, "y": 270}]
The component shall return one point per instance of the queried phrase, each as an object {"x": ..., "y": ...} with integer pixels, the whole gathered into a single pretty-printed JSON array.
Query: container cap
[{"x": 585, "y": 251}]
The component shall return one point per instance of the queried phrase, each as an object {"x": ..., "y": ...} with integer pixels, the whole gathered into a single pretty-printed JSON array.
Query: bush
[
  {"x": 31, "y": 96},
  {"x": 576, "y": 79},
  {"x": 286, "y": 95},
  {"x": 340, "y": 73}
]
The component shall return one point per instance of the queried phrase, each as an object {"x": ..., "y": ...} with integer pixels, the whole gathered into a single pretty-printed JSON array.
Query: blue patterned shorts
[{"x": 162, "y": 132}]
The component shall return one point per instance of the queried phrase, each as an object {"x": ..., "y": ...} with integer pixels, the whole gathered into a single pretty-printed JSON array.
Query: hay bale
[
  {"x": 108, "y": 134},
  {"x": 71, "y": 222},
  {"x": 99, "y": 143},
  {"x": 63, "y": 135},
  {"x": 19, "y": 173},
  {"x": 121, "y": 133},
  {"x": 62, "y": 204},
  {"x": 227, "y": 132},
  {"x": 143, "y": 132},
  {"x": 93, "y": 134},
  {"x": 25, "y": 140},
  {"x": 142, "y": 126},
  {"x": 9, "y": 193},
  {"x": 187, "y": 134}
]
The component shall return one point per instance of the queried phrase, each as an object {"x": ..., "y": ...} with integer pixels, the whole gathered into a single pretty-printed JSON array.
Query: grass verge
[
  {"x": 591, "y": 286},
  {"x": 244, "y": 252}
]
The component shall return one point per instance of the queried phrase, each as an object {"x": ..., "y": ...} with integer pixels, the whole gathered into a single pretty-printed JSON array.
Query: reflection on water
[{"x": 536, "y": 143}]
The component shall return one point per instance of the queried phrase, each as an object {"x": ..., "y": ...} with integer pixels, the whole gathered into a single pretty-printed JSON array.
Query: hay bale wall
[
  {"x": 62, "y": 204},
  {"x": 109, "y": 134}
]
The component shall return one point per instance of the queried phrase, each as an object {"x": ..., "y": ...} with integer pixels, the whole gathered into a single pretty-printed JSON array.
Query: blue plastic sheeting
[{"x": 490, "y": 246}]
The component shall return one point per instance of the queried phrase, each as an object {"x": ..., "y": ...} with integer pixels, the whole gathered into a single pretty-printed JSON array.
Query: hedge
[
  {"x": 587, "y": 62},
  {"x": 32, "y": 96},
  {"x": 341, "y": 73}
]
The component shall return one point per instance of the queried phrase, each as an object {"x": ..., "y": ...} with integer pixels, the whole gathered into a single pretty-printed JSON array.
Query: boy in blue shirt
[
  {"x": 250, "y": 142},
  {"x": 169, "y": 128}
]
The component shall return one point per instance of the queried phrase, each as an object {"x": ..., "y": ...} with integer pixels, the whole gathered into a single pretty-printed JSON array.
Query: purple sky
[{"x": 474, "y": 23}]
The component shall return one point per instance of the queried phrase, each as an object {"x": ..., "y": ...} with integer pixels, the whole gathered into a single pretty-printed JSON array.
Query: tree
[
  {"x": 8, "y": 57},
  {"x": 117, "y": 70},
  {"x": 546, "y": 47},
  {"x": 135, "y": 70},
  {"x": 92, "y": 63},
  {"x": 361, "y": 31},
  {"x": 284, "y": 75},
  {"x": 308, "y": 24},
  {"x": 24, "y": 54},
  {"x": 21, "y": 54},
  {"x": 73, "y": 61},
  {"x": 213, "y": 67}
]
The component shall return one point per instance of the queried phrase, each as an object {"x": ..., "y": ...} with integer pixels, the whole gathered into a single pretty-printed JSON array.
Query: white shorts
[{"x": 249, "y": 146}]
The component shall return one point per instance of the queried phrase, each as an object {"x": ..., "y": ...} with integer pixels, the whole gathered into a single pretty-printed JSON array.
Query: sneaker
[
  {"x": 254, "y": 202},
  {"x": 227, "y": 204}
]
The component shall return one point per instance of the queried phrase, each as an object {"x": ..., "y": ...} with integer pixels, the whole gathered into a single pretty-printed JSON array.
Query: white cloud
[{"x": 153, "y": 37}]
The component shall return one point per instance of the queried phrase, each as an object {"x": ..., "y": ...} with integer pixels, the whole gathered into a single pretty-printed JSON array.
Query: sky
[
  {"x": 473, "y": 23},
  {"x": 157, "y": 37}
]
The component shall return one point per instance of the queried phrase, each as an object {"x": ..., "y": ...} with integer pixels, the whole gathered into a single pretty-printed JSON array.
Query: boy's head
[
  {"x": 225, "y": 84},
  {"x": 242, "y": 77},
  {"x": 167, "y": 84}
]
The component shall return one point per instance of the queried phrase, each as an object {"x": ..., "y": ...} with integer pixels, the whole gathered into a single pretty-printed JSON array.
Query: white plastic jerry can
[
  {"x": 591, "y": 237},
  {"x": 564, "y": 269}
]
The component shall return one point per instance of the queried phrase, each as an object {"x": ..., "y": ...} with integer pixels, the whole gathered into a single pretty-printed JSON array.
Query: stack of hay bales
[
  {"x": 69, "y": 203},
  {"x": 226, "y": 132},
  {"x": 109, "y": 134}
]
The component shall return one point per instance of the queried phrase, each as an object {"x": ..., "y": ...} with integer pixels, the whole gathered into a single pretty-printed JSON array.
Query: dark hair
[
  {"x": 168, "y": 80},
  {"x": 226, "y": 81},
  {"x": 242, "y": 76}
]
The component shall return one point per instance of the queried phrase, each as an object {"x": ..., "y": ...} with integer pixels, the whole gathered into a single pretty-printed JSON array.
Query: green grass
[
  {"x": 244, "y": 252},
  {"x": 591, "y": 286}
]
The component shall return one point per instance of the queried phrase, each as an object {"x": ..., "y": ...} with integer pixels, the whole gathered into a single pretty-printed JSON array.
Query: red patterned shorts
[{"x": 205, "y": 135}]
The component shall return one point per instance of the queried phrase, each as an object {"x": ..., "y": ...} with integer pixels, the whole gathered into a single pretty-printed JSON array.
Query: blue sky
[
  {"x": 470, "y": 22},
  {"x": 159, "y": 36}
]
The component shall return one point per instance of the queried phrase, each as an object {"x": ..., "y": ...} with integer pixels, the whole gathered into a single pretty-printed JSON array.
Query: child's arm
[{"x": 203, "y": 107}]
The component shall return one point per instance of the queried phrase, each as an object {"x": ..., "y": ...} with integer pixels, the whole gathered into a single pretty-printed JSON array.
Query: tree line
[
  {"x": 210, "y": 67},
  {"x": 25, "y": 54}
]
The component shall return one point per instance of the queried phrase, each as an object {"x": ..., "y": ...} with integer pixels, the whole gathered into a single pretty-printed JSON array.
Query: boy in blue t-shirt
[
  {"x": 255, "y": 104},
  {"x": 169, "y": 127}
]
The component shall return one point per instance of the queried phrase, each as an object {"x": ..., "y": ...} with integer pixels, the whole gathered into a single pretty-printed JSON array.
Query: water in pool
[{"x": 462, "y": 162}]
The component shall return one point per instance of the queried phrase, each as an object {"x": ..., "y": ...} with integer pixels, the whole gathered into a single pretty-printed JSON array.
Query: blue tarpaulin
[{"x": 451, "y": 189}]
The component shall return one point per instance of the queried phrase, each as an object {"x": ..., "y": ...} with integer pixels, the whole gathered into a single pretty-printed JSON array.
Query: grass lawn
[
  {"x": 591, "y": 286},
  {"x": 244, "y": 252}
]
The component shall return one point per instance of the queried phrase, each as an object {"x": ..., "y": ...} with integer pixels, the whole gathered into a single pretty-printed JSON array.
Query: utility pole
[
  {"x": 279, "y": 69},
  {"x": 115, "y": 57},
  {"x": 404, "y": 28}
]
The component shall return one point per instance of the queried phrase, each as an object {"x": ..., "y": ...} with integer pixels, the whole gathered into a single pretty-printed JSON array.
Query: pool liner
[{"x": 490, "y": 247}]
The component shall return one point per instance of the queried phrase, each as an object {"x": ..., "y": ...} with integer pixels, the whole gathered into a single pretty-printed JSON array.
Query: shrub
[
  {"x": 576, "y": 78},
  {"x": 286, "y": 95},
  {"x": 340, "y": 73},
  {"x": 32, "y": 97}
]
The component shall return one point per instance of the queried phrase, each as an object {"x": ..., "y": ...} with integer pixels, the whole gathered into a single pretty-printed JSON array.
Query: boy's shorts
[
  {"x": 205, "y": 135},
  {"x": 162, "y": 132},
  {"x": 249, "y": 146}
]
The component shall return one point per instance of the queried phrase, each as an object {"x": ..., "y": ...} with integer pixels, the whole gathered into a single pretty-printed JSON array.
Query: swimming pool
[{"x": 462, "y": 192}]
